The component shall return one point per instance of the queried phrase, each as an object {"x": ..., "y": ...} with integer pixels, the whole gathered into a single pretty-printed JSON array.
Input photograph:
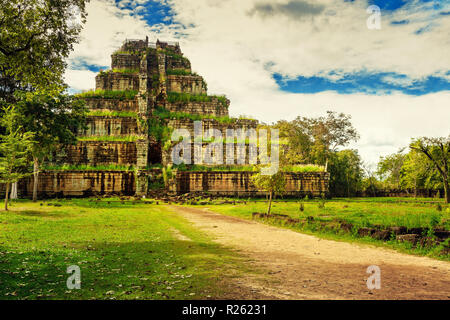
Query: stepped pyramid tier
[
  {"x": 146, "y": 81},
  {"x": 149, "y": 91}
]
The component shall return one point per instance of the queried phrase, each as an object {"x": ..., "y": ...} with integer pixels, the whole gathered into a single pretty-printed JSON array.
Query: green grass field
[
  {"x": 137, "y": 250},
  {"x": 361, "y": 212},
  {"x": 125, "y": 251}
]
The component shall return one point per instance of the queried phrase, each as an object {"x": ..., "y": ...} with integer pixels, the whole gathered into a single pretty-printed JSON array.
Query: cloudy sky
[{"x": 279, "y": 59}]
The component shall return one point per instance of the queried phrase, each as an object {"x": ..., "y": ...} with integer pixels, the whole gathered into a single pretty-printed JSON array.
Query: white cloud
[
  {"x": 80, "y": 79},
  {"x": 237, "y": 54}
]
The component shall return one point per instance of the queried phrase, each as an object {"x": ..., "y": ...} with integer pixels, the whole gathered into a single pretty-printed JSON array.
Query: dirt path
[{"x": 300, "y": 266}]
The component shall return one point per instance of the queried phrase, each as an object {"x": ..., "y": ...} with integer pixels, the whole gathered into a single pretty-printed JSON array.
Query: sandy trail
[{"x": 300, "y": 266}]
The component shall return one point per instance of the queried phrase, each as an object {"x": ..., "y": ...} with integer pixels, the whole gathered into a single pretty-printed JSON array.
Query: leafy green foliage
[
  {"x": 346, "y": 173},
  {"x": 390, "y": 168},
  {"x": 314, "y": 140},
  {"x": 15, "y": 149},
  {"x": 36, "y": 37},
  {"x": 437, "y": 150}
]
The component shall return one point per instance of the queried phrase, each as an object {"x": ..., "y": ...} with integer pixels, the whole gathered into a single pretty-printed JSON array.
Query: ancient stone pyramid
[{"x": 149, "y": 91}]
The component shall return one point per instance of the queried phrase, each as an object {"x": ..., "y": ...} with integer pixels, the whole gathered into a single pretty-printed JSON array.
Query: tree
[
  {"x": 346, "y": 173},
  {"x": 295, "y": 140},
  {"x": 36, "y": 37},
  {"x": 437, "y": 150},
  {"x": 390, "y": 168},
  {"x": 330, "y": 132},
  {"x": 272, "y": 184},
  {"x": 54, "y": 122},
  {"x": 370, "y": 183},
  {"x": 314, "y": 140},
  {"x": 15, "y": 148}
]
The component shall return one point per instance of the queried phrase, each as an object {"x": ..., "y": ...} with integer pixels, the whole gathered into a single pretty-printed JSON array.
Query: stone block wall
[
  {"x": 240, "y": 184},
  {"x": 105, "y": 126},
  {"x": 177, "y": 63},
  {"x": 125, "y": 61},
  {"x": 95, "y": 153},
  {"x": 213, "y": 108},
  {"x": 186, "y": 84},
  {"x": 117, "y": 81},
  {"x": 96, "y": 104},
  {"x": 236, "y": 153},
  {"x": 80, "y": 184},
  {"x": 214, "y": 124}
]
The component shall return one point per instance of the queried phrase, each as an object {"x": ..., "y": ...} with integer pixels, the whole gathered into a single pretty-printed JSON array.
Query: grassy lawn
[
  {"x": 127, "y": 250},
  {"x": 361, "y": 212}
]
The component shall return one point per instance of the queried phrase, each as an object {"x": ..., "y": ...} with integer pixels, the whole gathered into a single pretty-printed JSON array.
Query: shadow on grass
[{"x": 173, "y": 269}]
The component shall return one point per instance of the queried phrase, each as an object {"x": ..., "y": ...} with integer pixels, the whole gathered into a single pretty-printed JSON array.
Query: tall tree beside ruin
[
  {"x": 15, "y": 149},
  {"x": 437, "y": 150},
  {"x": 314, "y": 140},
  {"x": 329, "y": 133},
  {"x": 54, "y": 122},
  {"x": 36, "y": 38}
]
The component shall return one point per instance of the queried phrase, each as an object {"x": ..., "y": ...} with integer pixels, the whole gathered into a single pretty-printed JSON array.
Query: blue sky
[{"x": 280, "y": 59}]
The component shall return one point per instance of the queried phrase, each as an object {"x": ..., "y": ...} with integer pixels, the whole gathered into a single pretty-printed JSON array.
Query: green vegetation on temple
[
  {"x": 243, "y": 168},
  {"x": 129, "y": 138},
  {"x": 104, "y": 113},
  {"x": 174, "y": 97},
  {"x": 123, "y": 71},
  {"x": 180, "y": 72},
  {"x": 108, "y": 94},
  {"x": 174, "y": 55},
  {"x": 127, "y": 52},
  {"x": 165, "y": 114},
  {"x": 71, "y": 167}
]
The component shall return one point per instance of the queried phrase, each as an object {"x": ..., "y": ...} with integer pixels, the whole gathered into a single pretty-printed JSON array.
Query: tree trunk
[
  {"x": 6, "y": 196},
  {"x": 35, "y": 177},
  {"x": 13, "y": 194},
  {"x": 270, "y": 202},
  {"x": 415, "y": 188},
  {"x": 447, "y": 191}
]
